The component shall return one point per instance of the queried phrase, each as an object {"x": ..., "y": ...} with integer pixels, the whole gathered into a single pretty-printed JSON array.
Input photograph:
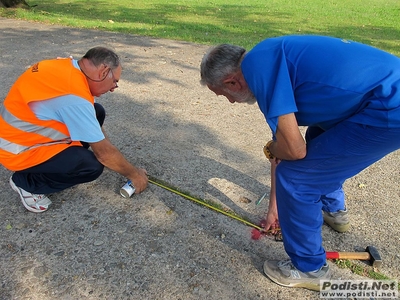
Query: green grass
[
  {"x": 365, "y": 271},
  {"x": 244, "y": 22}
]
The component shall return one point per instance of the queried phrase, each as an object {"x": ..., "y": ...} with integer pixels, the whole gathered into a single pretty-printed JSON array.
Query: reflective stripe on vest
[{"x": 57, "y": 136}]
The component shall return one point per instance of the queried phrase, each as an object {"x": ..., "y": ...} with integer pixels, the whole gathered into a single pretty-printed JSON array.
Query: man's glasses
[{"x": 114, "y": 80}]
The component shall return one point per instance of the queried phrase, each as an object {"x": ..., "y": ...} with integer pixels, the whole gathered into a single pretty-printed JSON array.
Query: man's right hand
[
  {"x": 140, "y": 181},
  {"x": 271, "y": 220}
]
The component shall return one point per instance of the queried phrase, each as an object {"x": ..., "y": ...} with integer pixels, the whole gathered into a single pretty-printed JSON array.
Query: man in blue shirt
[{"x": 348, "y": 94}]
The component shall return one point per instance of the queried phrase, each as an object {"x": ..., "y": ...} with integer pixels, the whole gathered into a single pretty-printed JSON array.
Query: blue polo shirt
[{"x": 324, "y": 80}]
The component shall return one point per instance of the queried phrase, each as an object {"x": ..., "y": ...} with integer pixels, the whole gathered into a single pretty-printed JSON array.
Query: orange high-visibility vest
[{"x": 25, "y": 140}]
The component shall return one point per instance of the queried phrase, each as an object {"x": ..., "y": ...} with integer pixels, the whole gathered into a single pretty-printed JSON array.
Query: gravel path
[{"x": 94, "y": 244}]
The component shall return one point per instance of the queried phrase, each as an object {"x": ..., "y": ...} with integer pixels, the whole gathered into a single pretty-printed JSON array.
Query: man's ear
[
  {"x": 103, "y": 71},
  {"x": 232, "y": 83}
]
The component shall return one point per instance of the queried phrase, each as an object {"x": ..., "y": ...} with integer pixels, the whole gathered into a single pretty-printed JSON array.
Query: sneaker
[
  {"x": 286, "y": 274},
  {"x": 32, "y": 202},
  {"x": 339, "y": 220}
]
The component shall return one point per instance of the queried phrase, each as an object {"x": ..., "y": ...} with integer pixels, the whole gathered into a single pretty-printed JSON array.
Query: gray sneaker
[
  {"x": 339, "y": 220},
  {"x": 286, "y": 274}
]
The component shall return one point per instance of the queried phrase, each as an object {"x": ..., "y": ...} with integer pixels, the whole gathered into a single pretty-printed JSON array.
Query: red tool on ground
[{"x": 371, "y": 254}]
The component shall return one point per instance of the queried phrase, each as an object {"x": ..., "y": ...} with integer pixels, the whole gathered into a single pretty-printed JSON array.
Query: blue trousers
[
  {"x": 72, "y": 166},
  {"x": 307, "y": 186}
]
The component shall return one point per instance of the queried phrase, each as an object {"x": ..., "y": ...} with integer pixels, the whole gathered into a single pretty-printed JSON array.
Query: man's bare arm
[
  {"x": 112, "y": 158},
  {"x": 289, "y": 144}
]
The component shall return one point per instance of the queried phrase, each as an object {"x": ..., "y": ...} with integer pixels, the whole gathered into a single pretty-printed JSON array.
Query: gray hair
[
  {"x": 102, "y": 55},
  {"x": 219, "y": 62}
]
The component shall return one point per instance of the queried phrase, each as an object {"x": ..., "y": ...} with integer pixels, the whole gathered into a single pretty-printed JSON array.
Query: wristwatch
[{"x": 268, "y": 153}]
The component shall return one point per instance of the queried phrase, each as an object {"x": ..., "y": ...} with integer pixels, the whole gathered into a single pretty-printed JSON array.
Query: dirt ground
[{"x": 95, "y": 244}]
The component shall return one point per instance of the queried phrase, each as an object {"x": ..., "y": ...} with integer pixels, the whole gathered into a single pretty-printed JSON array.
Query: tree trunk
[{"x": 13, "y": 3}]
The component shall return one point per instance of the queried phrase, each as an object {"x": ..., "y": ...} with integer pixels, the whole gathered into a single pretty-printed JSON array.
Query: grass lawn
[{"x": 244, "y": 22}]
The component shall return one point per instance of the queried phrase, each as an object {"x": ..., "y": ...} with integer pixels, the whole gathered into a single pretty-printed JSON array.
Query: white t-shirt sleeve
[{"x": 75, "y": 112}]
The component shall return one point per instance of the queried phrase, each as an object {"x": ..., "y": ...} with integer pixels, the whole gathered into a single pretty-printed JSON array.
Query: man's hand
[
  {"x": 140, "y": 180},
  {"x": 271, "y": 220}
]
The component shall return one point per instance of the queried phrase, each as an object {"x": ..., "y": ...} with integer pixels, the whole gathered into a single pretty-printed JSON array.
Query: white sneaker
[{"x": 32, "y": 202}]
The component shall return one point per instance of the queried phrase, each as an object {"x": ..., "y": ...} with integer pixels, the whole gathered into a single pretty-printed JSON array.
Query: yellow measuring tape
[{"x": 163, "y": 185}]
